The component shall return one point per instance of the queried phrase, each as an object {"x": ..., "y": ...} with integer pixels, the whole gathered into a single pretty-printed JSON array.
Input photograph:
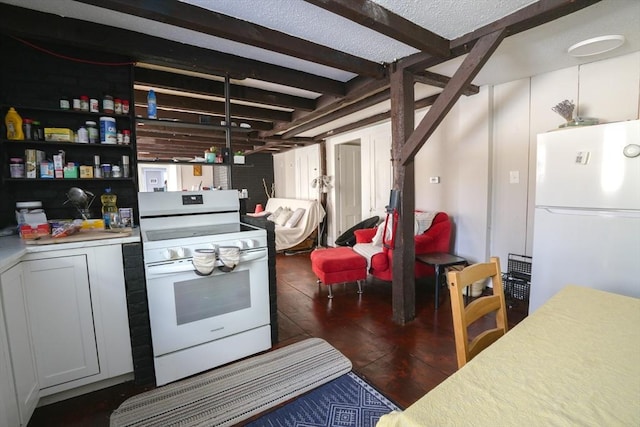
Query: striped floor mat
[{"x": 228, "y": 395}]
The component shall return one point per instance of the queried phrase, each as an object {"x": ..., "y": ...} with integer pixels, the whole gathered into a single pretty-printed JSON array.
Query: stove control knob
[
  {"x": 251, "y": 243},
  {"x": 241, "y": 244},
  {"x": 169, "y": 253},
  {"x": 181, "y": 252}
]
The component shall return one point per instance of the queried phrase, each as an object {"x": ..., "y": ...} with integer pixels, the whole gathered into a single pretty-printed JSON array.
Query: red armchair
[{"x": 436, "y": 239}]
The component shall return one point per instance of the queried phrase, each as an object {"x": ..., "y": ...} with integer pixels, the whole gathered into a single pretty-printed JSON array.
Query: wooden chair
[{"x": 478, "y": 308}]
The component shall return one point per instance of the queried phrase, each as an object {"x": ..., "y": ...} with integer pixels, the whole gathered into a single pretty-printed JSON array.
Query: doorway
[{"x": 348, "y": 186}]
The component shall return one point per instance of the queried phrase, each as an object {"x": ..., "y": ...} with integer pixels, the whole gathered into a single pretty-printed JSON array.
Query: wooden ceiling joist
[
  {"x": 376, "y": 118},
  {"x": 438, "y": 80},
  {"x": 205, "y": 21},
  {"x": 336, "y": 114},
  {"x": 377, "y": 18}
]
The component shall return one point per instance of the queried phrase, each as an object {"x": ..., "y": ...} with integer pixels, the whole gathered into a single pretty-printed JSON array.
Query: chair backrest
[{"x": 463, "y": 316}]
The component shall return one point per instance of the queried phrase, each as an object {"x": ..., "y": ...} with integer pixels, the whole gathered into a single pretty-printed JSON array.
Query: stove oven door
[{"x": 187, "y": 309}]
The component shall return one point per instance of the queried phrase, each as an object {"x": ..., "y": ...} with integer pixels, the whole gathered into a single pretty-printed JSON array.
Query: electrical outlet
[{"x": 434, "y": 180}]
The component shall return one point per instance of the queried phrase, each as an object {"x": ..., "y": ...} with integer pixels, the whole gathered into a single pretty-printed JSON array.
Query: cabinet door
[
  {"x": 61, "y": 319},
  {"x": 9, "y": 413},
  {"x": 19, "y": 341}
]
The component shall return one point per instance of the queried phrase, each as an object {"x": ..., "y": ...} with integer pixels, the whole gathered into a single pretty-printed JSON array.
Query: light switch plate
[
  {"x": 434, "y": 180},
  {"x": 514, "y": 177}
]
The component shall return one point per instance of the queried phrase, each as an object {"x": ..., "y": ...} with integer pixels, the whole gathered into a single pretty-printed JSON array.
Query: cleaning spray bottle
[
  {"x": 14, "y": 125},
  {"x": 152, "y": 109}
]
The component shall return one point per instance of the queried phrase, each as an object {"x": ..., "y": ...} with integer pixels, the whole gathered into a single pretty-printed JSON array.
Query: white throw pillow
[
  {"x": 275, "y": 214},
  {"x": 377, "y": 239},
  {"x": 284, "y": 216},
  {"x": 295, "y": 218}
]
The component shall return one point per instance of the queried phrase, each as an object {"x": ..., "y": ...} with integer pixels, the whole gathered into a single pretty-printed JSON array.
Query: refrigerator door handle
[{"x": 592, "y": 212}]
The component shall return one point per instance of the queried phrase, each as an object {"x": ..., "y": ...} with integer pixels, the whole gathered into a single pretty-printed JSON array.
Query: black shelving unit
[{"x": 33, "y": 84}]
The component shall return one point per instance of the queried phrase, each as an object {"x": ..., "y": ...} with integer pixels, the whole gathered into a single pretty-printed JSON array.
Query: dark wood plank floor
[{"x": 403, "y": 362}]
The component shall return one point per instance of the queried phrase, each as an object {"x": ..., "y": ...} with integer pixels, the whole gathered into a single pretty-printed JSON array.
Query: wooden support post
[{"x": 402, "y": 121}]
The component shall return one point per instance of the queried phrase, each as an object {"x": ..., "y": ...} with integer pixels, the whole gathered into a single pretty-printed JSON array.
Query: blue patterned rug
[{"x": 346, "y": 401}]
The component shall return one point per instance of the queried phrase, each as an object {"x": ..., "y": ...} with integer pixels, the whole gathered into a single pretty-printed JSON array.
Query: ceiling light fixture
[{"x": 596, "y": 45}]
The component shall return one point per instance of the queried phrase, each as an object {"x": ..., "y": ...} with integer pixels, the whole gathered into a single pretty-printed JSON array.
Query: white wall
[
  {"x": 482, "y": 140},
  {"x": 294, "y": 170},
  {"x": 377, "y": 176}
]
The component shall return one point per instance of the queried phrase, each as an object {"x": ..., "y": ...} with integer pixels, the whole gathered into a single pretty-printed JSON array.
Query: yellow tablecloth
[{"x": 575, "y": 361}]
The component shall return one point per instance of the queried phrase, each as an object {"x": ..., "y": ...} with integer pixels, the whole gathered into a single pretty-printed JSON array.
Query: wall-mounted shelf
[
  {"x": 50, "y": 111},
  {"x": 173, "y": 124},
  {"x": 29, "y": 143}
]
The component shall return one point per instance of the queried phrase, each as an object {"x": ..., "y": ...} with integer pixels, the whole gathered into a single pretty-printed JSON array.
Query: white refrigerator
[{"x": 587, "y": 211}]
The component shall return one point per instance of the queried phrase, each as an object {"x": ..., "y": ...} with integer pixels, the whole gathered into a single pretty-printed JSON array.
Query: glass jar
[
  {"x": 125, "y": 106},
  {"x": 107, "y": 104},
  {"x": 84, "y": 103},
  {"x": 117, "y": 106},
  {"x": 126, "y": 136}
]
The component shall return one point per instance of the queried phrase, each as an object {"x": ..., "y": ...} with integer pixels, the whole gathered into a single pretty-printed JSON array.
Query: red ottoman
[{"x": 338, "y": 265}]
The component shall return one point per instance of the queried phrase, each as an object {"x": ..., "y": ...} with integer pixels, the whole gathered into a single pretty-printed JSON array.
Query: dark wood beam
[
  {"x": 357, "y": 88},
  {"x": 376, "y": 118},
  {"x": 154, "y": 50},
  {"x": 469, "y": 68},
  {"x": 202, "y": 86},
  {"x": 277, "y": 142},
  {"x": 239, "y": 111},
  {"x": 205, "y": 21},
  {"x": 336, "y": 114},
  {"x": 524, "y": 19},
  {"x": 402, "y": 122},
  {"x": 376, "y": 17},
  {"x": 438, "y": 80}
]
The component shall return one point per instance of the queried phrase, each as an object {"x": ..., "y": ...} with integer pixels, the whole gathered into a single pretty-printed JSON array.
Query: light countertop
[{"x": 13, "y": 248}]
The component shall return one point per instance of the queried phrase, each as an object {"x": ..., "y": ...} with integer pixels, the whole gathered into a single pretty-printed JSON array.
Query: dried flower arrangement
[{"x": 565, "y": 109}]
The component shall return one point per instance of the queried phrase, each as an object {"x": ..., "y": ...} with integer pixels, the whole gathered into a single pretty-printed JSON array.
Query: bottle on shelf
[
  {"x": 13, "y": 121},
  {"x": 109, "y": 208},
  {"x": 152, "y": 112}
]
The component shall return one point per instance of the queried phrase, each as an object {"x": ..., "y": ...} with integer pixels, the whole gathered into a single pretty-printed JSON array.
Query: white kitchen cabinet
[
  {"x": 9, "y": 413},
  {"x": 60, "y": 314},
  {"x": 78, "y": 314},
  {"x": 20, "y": 350}
]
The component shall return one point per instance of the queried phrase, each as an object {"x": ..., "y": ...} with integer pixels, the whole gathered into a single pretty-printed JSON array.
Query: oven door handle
[
  {"x": 253, "y": 255},
  {"x": 170, "y": 268}
]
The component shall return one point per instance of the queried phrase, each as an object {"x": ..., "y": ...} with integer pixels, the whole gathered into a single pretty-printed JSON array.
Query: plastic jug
[
  {"x": 109, "y": 208},
  {"x": 14, "y": 124}
]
